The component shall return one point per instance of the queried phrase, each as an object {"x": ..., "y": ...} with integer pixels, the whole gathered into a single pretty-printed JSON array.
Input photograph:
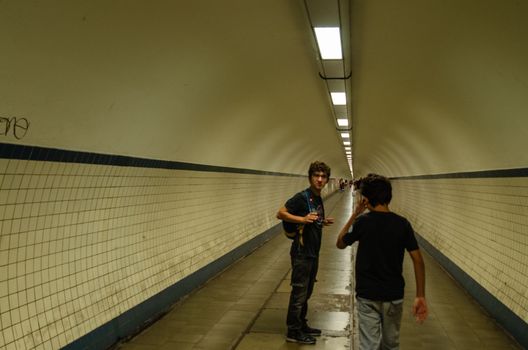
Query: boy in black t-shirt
[
  {"x": 383, "y": 237},
  {"x": 305, "y": 209}
]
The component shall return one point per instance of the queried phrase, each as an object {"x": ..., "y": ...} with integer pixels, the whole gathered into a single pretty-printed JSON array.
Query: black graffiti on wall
[{"x": 18, "y": 127}]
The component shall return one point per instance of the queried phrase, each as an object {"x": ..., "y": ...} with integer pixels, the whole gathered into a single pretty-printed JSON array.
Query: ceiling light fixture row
[{"x": 330, "y": 24}]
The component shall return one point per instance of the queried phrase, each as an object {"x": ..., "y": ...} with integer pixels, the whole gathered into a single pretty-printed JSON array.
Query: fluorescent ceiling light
[
  {"x": 346, "y": 143},
  {"x": 338, "y": 98},
  {"x": 342, "y": 122},
  {"x": 329, "y": 42},
  {"x": 348, "y": 148},
  {"x": 345, "y": 135}
]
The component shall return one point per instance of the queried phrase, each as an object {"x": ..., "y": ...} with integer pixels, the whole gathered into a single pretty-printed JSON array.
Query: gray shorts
[{"x": 379, "y": 324}]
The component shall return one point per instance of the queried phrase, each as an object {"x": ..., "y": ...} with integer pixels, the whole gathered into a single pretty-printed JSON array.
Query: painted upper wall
[
  {"x": 228, "y": 83},
  {"x": 439, "y": 86}
]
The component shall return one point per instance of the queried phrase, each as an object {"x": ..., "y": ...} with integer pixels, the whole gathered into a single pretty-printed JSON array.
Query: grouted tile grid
[
  {"x": 480, "y": 224},
  {"x": 81, "y": 244}
]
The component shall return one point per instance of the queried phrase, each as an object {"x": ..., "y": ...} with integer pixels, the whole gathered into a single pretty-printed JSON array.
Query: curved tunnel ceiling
[
  {"x": 439, "y": 86},
  {"x": 436, "y": 87},
  {"x": 226, "y": 83}
]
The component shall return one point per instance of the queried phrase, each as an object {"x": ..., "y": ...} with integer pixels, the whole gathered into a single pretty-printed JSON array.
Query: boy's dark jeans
[{"x": 304, "y": 270}]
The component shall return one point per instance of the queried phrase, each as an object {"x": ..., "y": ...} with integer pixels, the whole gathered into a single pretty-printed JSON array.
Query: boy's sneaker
[
  {"x": 311, "y": 331},
  {"x": 299, "y": 337}
]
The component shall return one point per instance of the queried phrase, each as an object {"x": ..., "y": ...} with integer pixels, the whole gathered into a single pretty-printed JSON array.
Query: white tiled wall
[
  {"x": 81, "y": 244},
  {"x": 479, "y": 224}
]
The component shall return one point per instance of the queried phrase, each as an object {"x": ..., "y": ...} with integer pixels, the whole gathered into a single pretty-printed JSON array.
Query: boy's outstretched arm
[
  {"x": 358, "y": 209},
  {"x": 283, "y": 214},
  {"x": 339, "y": 243},
  {"x": 419, "y": 308}
]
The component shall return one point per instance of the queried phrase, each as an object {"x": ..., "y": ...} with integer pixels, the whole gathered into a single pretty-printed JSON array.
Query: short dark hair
[
  {"x": 376, "y": 188},
  {"x": 319, "y": 166}
]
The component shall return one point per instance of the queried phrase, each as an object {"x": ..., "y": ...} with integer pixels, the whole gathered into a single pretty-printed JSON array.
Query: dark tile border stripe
[
  {"x": 516, "y": 326},
  {"x": 24, "y": 152},
  {"x": 134, "y": 320},
  {"x": 137, "y": 318},
  {"x": 517, "y": 172},
  {"x": 504, "y": 316}
]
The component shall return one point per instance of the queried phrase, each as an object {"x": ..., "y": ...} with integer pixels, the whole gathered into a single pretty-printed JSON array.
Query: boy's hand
[
  {"x": 419, "y": 309},
  {"x": 360, "y": 207},
  {"x": 328, "y": 221},
  {"x": 310, "y": 218}
]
